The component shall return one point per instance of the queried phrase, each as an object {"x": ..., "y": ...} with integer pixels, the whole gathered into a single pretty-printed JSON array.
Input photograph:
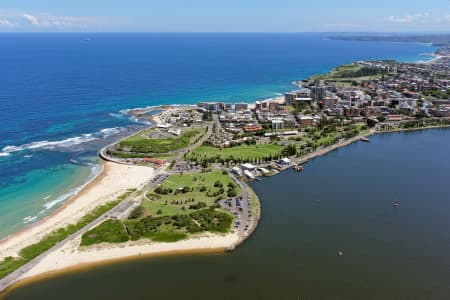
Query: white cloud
[
  {"x": 62, "y": 22},
  {"x": 403, "y": 19},
  {"x": 7, "y": 23},
  {"x": 420, "y": 18},
  {"x": 31, "y": 19}
]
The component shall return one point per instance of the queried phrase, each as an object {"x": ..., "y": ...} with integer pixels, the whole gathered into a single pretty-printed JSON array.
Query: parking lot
[{"x": 241, "y": 208}]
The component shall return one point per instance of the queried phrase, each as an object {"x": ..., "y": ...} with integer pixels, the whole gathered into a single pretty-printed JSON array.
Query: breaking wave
[
  {"x": 95, "y": 170},
  {"x": 62, "y": 144}
]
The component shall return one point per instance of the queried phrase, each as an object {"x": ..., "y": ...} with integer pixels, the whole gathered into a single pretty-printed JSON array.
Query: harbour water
[
  {"x": 62, "y": 95},
  {"x": 330, "y": 232}
]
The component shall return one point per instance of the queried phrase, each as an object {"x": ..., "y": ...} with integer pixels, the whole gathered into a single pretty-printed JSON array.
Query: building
[
  {"x": 277, "y": 124},
  {"x": 241, "y": 106},
  {"x": 253, "y": 128},
  {"x": 237, "y": 171},
  {"x": 285, "y": 161},
  {"x": 306, "y": 120},
  {"x": 248, "y": 167},
  {"x": 264, "y": 171},
  {"x": 163, "y": 126},
  {"x": 212, "y": 106},
  {"x": 289, "y": 98},
  {"x": 249, "y": 174}
]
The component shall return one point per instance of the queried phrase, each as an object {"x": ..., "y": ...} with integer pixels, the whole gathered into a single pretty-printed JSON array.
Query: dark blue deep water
[{"x": 61, "y": 95}]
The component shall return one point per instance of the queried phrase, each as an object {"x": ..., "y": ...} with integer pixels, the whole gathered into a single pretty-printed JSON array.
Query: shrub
[{"x": 136, "y": 213}]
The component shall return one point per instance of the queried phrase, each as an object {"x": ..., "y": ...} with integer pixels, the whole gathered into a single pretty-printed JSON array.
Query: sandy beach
[
  {"x": 71, "y": 255},
  {"x": 112, "y": 182},
  {"x": 435, "y": 59}
]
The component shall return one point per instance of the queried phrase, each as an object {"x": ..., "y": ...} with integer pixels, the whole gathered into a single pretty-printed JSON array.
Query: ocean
[{"x": 63, "y": 96}]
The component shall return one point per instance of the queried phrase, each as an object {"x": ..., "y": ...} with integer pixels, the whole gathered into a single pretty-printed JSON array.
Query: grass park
[
  {"x": 184, "y": 204},
  {"x": 144, "y": 144},
  {"x": 238, "y": 153},
  {"x": 347, "y": 75}
]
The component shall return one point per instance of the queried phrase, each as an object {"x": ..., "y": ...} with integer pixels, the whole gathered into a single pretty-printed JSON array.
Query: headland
[{"x": 180, "y": 185}]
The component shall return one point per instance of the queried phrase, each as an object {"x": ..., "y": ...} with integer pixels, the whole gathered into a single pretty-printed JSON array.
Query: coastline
[
  {"x": 73, "y": 257},
  {"x": 107, "y": 185},
  {"x": 70, "y": 258}
]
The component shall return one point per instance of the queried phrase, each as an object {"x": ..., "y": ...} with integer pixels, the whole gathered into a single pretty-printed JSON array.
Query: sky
[{"x": 224, "y": 16}]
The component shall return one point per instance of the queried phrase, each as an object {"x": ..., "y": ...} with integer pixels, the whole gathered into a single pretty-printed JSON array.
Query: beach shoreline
[
  {"x": 105, "y": 187},
  {"x": 74, "y": 257}
]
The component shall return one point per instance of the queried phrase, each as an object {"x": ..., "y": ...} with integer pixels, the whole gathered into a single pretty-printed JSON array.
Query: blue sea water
[{"x": 61, "y": 95}]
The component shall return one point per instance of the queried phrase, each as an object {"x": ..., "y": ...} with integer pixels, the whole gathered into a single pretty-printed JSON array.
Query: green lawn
[
  {"x": 184, "y": 204},
  {"x": 239, "y": 152},
  {"x": 201, "y": 189},
  {"x": 140, "y": 143}
]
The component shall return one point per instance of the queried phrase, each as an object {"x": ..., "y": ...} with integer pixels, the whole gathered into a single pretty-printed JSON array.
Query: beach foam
[{"x": 62, "y": 144}]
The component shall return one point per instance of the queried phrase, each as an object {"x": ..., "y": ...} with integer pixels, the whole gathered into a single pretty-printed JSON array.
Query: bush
[
  {"x": 110, "y": 231},
  {"x": 197, "y": 205},
  {"x": 136, "y": 213}
]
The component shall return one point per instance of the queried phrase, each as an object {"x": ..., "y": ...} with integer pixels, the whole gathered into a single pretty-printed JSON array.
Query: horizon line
[{"x": 229, "y": 32}]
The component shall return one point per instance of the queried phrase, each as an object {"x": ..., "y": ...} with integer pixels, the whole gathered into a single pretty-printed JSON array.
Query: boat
[
  {"x": 298, "y": 168},
  {"x": 395, "y": 204},
  {"x": 364, "y": 139}
]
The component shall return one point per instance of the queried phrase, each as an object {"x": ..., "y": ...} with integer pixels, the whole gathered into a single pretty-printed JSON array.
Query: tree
[
  {"x": 136, "y": 213},
  {"x": 371, "y": 123},
  {"x": 381, "y": 118}
]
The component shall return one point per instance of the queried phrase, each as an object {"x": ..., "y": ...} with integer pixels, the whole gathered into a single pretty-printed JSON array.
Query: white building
[
  {"x": 285, "y": 161},
  {"x": 277, "y": 124},
  {"x": 249, "y": 174},
  {"x": 248, "y": 167},
  {"x": 236, "y": 171}
]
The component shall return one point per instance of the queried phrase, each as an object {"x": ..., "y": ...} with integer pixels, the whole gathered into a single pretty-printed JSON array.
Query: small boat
[
  {"x": 395, "y": 204},
  {"x": 298, "y": 168},
  {"x": 365, "y": 139}
]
